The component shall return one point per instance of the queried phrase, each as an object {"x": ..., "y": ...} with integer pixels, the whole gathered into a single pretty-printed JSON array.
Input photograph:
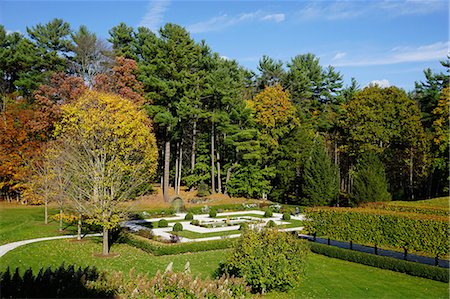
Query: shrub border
[{"x": 383, "y": 262}]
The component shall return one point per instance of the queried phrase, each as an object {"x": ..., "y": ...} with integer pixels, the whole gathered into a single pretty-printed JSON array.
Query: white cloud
[
  {"x": 384, "y": 83},
  {"x": 339, "y": 55},
  {"x": 278, "y": 17},
  {"x": 155, "y": 14},
  {"x": 436, "y": 51},
  {"x": 12, "y": 31},
  {"x": 224, "y": 21},
  {"x": 345, "y": 9}
]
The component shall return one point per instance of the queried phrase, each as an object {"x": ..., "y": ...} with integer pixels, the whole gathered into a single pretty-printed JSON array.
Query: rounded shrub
[
  {"x": 178, "y": 227},
  {"x": 189, "y": 216},
  {"x": 271, "y": 224},
  {"x": 286, "y": 216},
  {"x": 212, "y": 213},
  {"x": 267, "y": 259},
  {"x": 243, "y": 226},
  {"x": 163, "y": 223},
  {"x": 195, "y": 222},
  {"x": 268, "y": 213}
]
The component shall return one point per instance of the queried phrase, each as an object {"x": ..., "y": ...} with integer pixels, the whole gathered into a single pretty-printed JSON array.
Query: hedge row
[
  {"x": 158, "y": 248},
  {"x": 415, "y": 232},
  {"x": 383, "y": 262},
  {"x": 409, "y": 209}
]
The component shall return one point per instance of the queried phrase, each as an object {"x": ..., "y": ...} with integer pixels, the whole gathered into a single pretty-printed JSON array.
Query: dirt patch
[{"x": 106, "y": 256}]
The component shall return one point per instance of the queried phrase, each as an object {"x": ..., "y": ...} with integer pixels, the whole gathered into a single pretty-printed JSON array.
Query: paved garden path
[{"x": 10, "y": 246}]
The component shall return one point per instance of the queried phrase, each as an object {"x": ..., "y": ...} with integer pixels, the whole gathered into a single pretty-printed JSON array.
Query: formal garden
[{"x": 141, "y": 163}]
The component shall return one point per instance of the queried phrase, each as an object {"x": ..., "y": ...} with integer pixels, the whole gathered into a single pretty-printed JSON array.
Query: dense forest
[{"x": 290, "y": 132}]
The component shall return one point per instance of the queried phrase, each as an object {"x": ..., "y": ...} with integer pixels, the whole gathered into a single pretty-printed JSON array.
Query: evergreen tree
[
  {"x": 369, "y": 183},
  {"x": 320, "y": 179}
]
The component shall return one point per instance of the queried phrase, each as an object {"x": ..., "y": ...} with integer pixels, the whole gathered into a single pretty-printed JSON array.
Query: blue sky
[{"x": 389, "y": 41}]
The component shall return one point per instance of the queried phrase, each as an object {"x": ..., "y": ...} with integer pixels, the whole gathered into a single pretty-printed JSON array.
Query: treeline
[{"x": 291, "y": 132}]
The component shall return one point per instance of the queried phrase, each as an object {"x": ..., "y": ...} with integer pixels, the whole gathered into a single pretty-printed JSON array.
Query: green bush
[
  {"x": 268, "y": 213},
  {"x": 158, "y": 248},
  {"x": 286, "y": 216},
  {"x": 189, "y": 216},
  {"x": 383, "y": 262},
  {"x": 163, "y": 223},
  {"x": 416, "y": 232},
  {"x": 145, "y": 233},
  {"x": 213, "y": 213},
  {"x": 202, "y": 189},
  {"x": 271, "y": 224},
  {"x": 243, "y": 226},
  {"x": 178, "y": 227},
  {"x": 195, "y": 222},
  {"x": 267, "y": 259}
]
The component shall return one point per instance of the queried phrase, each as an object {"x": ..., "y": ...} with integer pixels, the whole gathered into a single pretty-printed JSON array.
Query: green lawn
[
  {"x": 434, "y": 202},
  {"x": 241, "y": 215},
  {"x": 325, "y": 278},
  {"x": 26, "y": 222}
]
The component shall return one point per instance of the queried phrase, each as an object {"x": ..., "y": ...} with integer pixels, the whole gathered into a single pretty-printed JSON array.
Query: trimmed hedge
[
  {"x": 178, "y": 227},
  {"x": 382, "y": 262},
  {"x": 189, "y": 216},
  {"x": 268, "y": 213},
  {"x": 163, "y": 223},
  {"x": 158, "y": 248},
  {"x": 416, "y": 232},
  {"x": 409, "y": 209},
  {"x": 213, "y": 213},
  {"x": 286, "y": 216}
]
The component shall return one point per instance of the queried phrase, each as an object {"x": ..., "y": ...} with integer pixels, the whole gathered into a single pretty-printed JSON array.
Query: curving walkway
[{"x": 10, "y": 246}]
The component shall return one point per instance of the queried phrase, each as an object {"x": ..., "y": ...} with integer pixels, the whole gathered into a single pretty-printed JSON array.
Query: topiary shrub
[
  {"x": 163, "y": 223},
  {"x": 268, "y": 213},
  {"x": 268, "y": 260},
  {"x": 195, "y": 222},
  {"x": 286, "y": 216},
  {"x": 189, "y": 216},
  {"x": 178, "y": 227},
  {"x": 212, "y": 213},
  {"x": 243, "y": 226},
  {"x": 270, "y": 224}
]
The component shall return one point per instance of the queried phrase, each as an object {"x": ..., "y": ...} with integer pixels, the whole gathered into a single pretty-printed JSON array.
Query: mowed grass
[
  {"x": 194, "y": 235},
  {"x": 325, "y": 277},
  {"x": 434, "y": 202},
  {"x": 19, "y": 222}
]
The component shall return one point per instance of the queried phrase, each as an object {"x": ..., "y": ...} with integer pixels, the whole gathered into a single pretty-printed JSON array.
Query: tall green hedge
[
  {"x": 440, "y": 211},
  {"x": 417, "y": 233}
]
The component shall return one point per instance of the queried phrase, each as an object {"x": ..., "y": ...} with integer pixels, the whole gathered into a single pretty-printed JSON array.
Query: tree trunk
[
  {"x": 228, "y": 177},
  {"x": 105, "y": 242},
  {"x": 79, "y": 228},
  {"x": 175, "y": 185},
  {"x": 193, "y": 149},
  {"x": 46, "y": 212},
  {"x": 213, "y": 183},
  {"x": 60, "y": 220},
  {"x": 166, "y": 168},
  {"x": 180, "y": 167},
  {"x": 219, "y": 179}
]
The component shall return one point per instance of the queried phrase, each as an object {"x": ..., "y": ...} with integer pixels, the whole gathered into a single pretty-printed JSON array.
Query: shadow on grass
[{"x": 58, "y": 283}]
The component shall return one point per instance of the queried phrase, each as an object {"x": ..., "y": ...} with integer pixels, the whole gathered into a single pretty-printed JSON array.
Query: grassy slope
[
  {"x": 326, "y": 277},
  {"x": 19, "y": 222},
  {"x": 434, "y": 202}
]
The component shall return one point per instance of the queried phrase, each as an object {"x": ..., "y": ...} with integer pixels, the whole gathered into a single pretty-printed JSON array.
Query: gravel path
[{"x": 10, "y": 246}]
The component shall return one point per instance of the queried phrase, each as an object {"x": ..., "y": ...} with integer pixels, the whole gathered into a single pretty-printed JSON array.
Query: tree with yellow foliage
[{"x": 108, "y": 155}]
